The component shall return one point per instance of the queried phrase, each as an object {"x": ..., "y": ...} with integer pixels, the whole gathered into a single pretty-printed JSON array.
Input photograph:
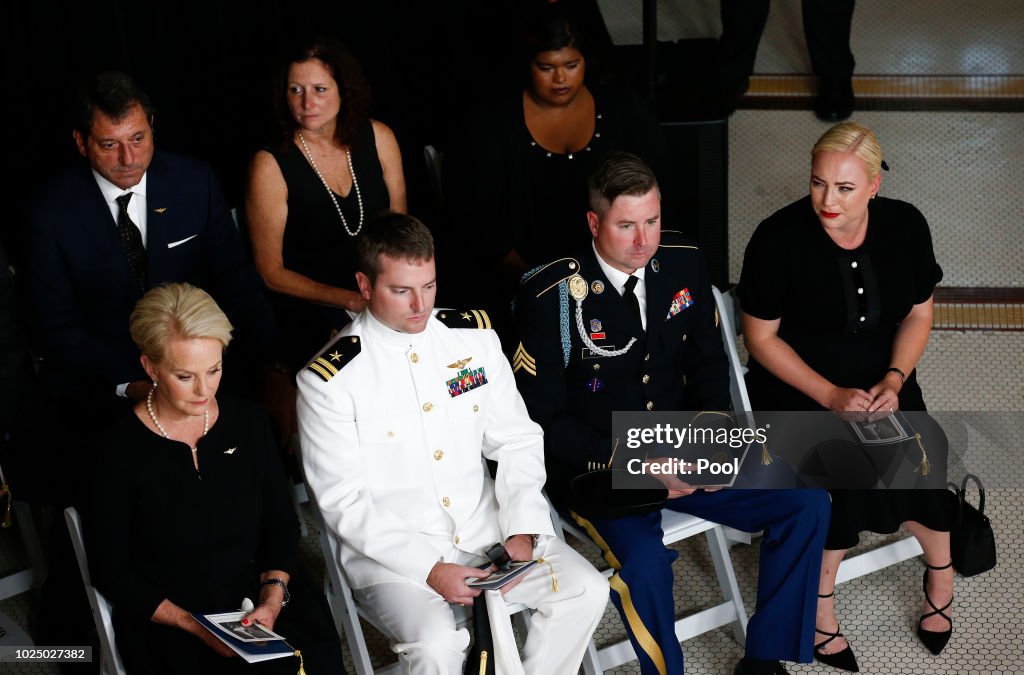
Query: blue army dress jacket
[
  {"x": 394, "y": 428},
  {"x": 573, "y": 370}
]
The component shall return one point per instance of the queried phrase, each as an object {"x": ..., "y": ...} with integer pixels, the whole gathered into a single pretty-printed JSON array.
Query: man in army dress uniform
[
  {"x": 630, "y": 324},
  {"x": 395, "y": 417}
]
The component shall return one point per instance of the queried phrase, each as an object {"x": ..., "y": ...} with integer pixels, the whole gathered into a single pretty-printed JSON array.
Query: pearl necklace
[
  {"x": 330, "y": 192},
  {"x": 152, "y": 416}
]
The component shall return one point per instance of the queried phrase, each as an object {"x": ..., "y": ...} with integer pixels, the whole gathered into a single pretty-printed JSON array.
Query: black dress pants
[{"x": 826, "y": 30}]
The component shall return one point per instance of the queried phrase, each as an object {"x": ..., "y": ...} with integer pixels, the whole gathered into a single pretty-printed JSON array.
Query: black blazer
[
  {"x": 83, "y": 290},
  {"x": 679, "y": 364}
]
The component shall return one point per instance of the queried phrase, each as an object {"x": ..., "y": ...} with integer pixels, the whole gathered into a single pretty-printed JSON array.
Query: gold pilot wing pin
[
  {"x": 160, "y": 210},
  {"x": 522, "y": 360},
  {"x": 460, "y": 363}
]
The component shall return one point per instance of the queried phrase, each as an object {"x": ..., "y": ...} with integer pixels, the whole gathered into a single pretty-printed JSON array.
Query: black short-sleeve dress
[{"x": 839, "y": 311}]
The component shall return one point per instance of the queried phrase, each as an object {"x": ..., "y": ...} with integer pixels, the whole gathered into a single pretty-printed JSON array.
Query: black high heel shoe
[
  {"x": 935, "y": 641},
  {"x": 844, "y": 660}
]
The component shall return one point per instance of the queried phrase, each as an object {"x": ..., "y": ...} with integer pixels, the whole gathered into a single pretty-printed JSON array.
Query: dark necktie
[
  {"x": 131, "y": 240},
  {"x": 633, "y": 303}
]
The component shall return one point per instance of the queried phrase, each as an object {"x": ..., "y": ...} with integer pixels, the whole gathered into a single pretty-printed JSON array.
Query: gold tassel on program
[
  {"x": 926, "y": 466},
  {"x": 483, "y": 662},
  {"x": 766, "y": 457}
]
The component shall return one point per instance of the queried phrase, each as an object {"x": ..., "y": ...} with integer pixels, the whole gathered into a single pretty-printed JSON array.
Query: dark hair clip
[{"x": 885, "y": 167}]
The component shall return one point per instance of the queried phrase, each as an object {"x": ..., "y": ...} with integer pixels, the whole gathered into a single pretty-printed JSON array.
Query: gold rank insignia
[
  {"x": 335, "y": 357},
  {"x": 522, "y": 360},
  {"x": 460, "y": 363},
  {"x": 470, "y": 318},
  {"x": 578, "y": 287}
]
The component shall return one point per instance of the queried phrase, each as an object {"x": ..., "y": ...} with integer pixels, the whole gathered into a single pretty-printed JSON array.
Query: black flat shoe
[
  {"x": 935, "y": 641},
  {"x": 844, "y": 660},
  {"x": 758, "y": 667}
]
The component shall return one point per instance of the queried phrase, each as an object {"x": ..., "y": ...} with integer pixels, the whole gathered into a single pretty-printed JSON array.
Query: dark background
[{"x": 207, "y": 64}]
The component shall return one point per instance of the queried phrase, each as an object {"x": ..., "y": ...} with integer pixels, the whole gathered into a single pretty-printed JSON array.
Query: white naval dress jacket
[{"x": 392, "y": 446}]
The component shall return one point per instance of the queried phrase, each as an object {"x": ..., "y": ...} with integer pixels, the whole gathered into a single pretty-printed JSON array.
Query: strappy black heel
[
  {"x": 935, "y": 641},
  {"x": 844, "y": 660}
]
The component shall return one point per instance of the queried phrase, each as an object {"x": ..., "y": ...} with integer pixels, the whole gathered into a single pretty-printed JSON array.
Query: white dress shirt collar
[
  {"x": 136, "y": 207},
  {"x": 618, "y": 279},
  {"x": 374, "y": 329}
]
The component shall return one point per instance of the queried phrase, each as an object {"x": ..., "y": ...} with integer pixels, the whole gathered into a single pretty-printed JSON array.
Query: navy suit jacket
[
  {"x": 679, "y": 364},
  {"x": 83, "y": 289}
]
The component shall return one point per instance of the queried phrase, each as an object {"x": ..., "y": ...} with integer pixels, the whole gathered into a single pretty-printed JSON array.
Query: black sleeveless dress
[{"x": 318, "y": 246}]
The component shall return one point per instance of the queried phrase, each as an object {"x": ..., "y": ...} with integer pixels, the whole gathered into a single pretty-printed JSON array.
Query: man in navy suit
[
  {"x": 629, "y": 323},
  {"x": 104, "y": 233}
]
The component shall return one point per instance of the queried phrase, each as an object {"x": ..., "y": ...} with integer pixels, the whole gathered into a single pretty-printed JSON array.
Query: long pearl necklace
[
  {"x": 330, "y": 192},
  {"x": 152, "y": 416}
]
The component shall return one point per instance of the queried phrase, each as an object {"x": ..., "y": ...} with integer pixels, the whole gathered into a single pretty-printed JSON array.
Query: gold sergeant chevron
[{"x": 522, "y": 360}]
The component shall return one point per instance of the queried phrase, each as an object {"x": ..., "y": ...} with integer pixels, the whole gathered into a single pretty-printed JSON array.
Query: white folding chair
[
  {"x": 346, "y": 611},
  {"x": 110, "y": 659},
  {"x": 851, "y": 568},
  {"x": 678, "y": 526}
]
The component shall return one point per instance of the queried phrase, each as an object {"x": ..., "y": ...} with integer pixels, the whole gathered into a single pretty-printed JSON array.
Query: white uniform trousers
[{"x": 421, "y": 627}]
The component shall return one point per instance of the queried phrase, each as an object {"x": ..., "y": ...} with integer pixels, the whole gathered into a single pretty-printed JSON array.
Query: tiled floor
[{"x": 964, "y": 171}]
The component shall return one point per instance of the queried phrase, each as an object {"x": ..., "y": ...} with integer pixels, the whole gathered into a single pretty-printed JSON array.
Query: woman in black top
[
  {"x": 192, "y": 511},
  {"x": 836, "y": 291},
  {"x": 516, "y": 180},
  {"x": 309, "y": 198}
]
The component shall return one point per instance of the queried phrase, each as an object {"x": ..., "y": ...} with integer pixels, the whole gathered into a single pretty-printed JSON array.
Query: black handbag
[{"x": 972, "y": 541}]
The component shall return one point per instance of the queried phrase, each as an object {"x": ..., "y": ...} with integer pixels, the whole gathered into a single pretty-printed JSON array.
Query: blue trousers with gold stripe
[{"x": 795, "y": 523}]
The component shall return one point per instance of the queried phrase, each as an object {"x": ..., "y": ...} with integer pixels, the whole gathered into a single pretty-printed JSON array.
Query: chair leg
[
  {"x": 591, "y": 660},
  {"x": 719, "y": 548}
]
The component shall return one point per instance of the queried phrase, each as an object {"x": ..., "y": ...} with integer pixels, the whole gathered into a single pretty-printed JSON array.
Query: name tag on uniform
[{"x": 589, "y": 354}]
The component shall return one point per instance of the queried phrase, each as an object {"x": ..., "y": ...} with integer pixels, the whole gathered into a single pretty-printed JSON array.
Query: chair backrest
[
  {"x": 110, "y": 659},
  {"x": 726, "y": 323},
  {"x": 433, "y": 159}
]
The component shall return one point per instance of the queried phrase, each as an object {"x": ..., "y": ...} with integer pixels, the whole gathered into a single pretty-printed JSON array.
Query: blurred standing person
[{"x": 827, "y": 26}]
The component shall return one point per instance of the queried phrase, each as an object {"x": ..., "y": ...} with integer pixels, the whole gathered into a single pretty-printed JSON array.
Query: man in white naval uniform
[{"x": 395, "y": 418}]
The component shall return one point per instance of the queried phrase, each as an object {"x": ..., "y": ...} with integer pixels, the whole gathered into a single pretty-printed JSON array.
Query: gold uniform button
[
  {"x": 645, "y": 379},
  {"x": 438, "y": 455},
  {"x": 428, "y": 406},
  {"x": 684, "y": 337},
  {"x": 597, "y": 366},
  {"x": 650, "y": 405},
  {"x": 414, "y": 357},
  {"x": 447, "y": 502},
  {"x": 456, "y": 540},
  {"x": 476, "y": 408},
  {"x": 647, "y": 357}
]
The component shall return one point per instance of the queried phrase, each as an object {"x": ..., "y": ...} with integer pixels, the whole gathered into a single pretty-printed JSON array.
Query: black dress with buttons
[{"x": 840, "y": 310}]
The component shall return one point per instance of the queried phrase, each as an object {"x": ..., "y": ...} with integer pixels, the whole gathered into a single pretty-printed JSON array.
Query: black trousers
[{"x": 826, "y": 29}]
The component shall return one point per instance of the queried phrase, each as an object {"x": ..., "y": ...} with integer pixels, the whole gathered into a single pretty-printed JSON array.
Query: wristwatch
[{"x": 274, "y": 581}]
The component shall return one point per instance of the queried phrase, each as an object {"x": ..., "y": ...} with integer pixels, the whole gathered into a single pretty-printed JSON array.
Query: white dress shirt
[
  {"x": 136, "y": 207},
  {"x": 618, "y": 281}
]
